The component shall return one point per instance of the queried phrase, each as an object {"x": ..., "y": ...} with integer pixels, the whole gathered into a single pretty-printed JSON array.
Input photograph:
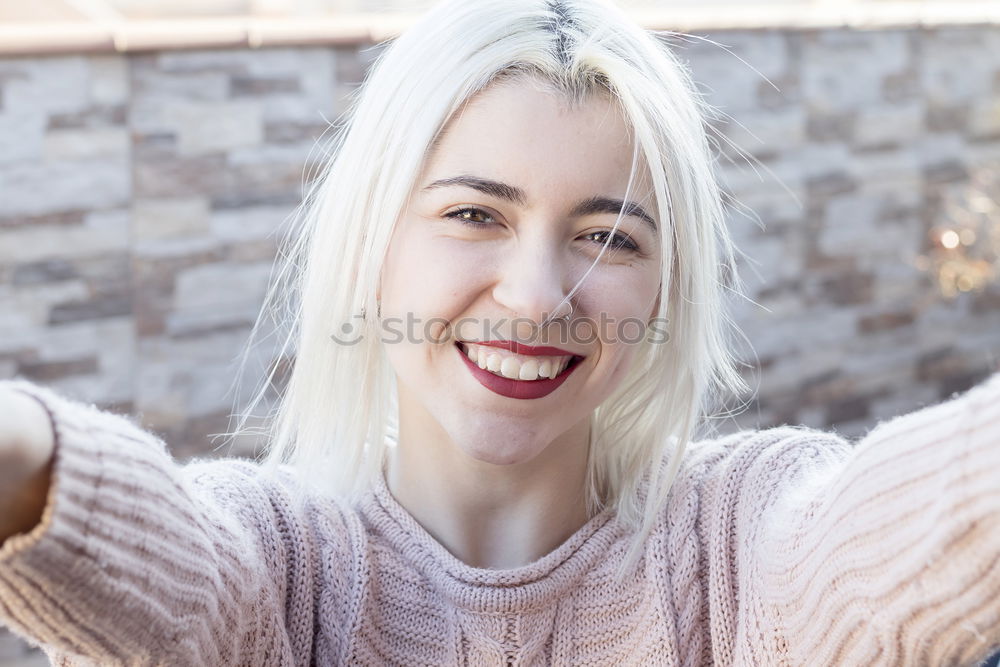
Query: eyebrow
[{"x": 517, "y": 196}]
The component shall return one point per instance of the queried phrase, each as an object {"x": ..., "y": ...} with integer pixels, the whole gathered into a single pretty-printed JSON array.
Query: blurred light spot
[{"x": 981, "y": 204}]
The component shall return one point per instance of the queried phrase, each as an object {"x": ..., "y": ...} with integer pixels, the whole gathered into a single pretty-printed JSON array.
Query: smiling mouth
[{"x": 573, "y": 361}]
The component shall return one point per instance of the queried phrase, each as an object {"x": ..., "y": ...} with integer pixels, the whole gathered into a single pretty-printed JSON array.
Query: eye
[
  {"x": 619, "y": 242},
  {"x": 467, "y": 215}
]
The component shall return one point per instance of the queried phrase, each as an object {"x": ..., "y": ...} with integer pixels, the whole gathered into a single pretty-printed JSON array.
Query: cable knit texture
[{"x": 786, "y": 547}]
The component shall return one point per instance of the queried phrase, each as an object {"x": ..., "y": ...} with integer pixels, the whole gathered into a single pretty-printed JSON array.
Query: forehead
[{"x": 524, "y": 132}]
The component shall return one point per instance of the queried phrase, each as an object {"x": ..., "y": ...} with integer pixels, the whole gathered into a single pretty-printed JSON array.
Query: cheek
[
  {"x": 621, "y": 295},
  {"x": 432, "y": 277}
]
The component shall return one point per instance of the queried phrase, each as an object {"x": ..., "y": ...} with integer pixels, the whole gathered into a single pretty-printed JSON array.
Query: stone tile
[
  {"x": 855, "y": 408},
  {"x": 62, "y": 218},
  {"x": 895, "y": 171},
  {"x": 885, "y": 321},
  {"x": 211, "y": 295},
  {"x": 727, "y": 85},
  {"x": 51, "y": 84},
  {"x": 182, "y": 378},
  {"x": 255, "y": 251},
  {"x": 212, "y": 128},
  {"x": 766, "y": 134},
  {"x": 189, "y": 438},
  {"x": 177, "y": 247},
  {"x": 22, "y": 137},
  {"x": 953, "y": 67},
  {"x": 109, "y": 84},
  {"x": 38, "y": 243},
  {"x": 347, "y": 67},
  {"x": 172, "y": 176},
  {"x": 51, "y": 371},
  {"x": 959, "y": 382},
  {"x": 898, "y": 280},
  {"x": 256, "y": 86},
  {"x": 152, "y": 88},
  {"x": 105, "y": 338},
  {"x": 26, "y": 309},
  {"x": 984, "y": 119},
  {"x": 903, "y": 86},
  {"x": 816, "y": 161},
  {"x": 888, "y": 126},
  {"x": 201, "y": 60},
  {"x": 237, "y": 225},
  {"x": 782, "y": 92},
  {"x": 907, "y": 399},
  {"x": 283, "y": 62},
  {"x": 941, "y": 364},
  {"x": 99, "y": 306},
  {"x": 831, "y": 127},
  {"x": 83, "y": 184},
  {"x": 947, "y": 118},
  {"x": 294, "y": 132},
  {"x": 169, "y": 218},
  {"x": 91, "y": 117},
  {"x": 85, "y": 144},
  {"x": 848, "y": 223},
  {"x": 844, "y": 70},
  {"x": 847, "y": 289},
  {"x": 45, "y": 271}
]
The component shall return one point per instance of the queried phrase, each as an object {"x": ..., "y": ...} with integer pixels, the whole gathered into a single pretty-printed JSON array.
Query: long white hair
[{"x": 338, "y": 411}]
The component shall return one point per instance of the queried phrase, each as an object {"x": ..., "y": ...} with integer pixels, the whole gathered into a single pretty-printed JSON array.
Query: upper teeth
[{"x": 515, "y": 366}]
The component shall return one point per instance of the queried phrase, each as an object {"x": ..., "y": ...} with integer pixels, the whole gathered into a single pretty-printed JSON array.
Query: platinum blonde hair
[{"x": 338, "y": 410}]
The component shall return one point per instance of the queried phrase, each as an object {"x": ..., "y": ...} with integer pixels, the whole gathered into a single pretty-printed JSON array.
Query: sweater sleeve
[
  {"x": 891, "y": 554},
  {"x": 138, "y": 560}
]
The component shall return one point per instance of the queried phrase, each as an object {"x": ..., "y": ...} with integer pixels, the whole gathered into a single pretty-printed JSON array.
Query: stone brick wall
[
  {"x": 140, "y": 200},
  {"x": 862, "y": 138},
  {"x": 140, "y": 196}
]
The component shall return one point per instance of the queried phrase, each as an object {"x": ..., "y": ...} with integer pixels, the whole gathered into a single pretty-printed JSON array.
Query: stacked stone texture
[
  {"x": 141, "y": 198},
  {"x": 860, "y": 137}
]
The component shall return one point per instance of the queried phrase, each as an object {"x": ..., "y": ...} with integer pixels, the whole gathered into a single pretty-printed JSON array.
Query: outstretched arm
[
  {"x": 892, "y": 556},
  {"x": 138, "y": 560}
]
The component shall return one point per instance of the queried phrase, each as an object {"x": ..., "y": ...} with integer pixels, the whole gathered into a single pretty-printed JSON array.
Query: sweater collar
[{"x": 484, "y": 589}]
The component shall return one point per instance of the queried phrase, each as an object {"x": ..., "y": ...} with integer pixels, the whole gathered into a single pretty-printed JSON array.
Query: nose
[{"x": 534, "y": 283}]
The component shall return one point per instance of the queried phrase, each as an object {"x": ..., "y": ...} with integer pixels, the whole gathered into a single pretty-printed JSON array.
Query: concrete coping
[{"x": 110, "y": 34}]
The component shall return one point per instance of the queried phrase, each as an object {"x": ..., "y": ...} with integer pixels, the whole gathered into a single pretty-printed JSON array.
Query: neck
[{"x": 488, "y": 515}]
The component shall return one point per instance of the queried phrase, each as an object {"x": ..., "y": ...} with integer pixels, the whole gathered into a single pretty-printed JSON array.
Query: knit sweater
[{"x": 786, "y": 546}]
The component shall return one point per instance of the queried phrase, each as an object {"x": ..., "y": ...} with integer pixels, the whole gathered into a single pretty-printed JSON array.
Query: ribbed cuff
[
  {"x": 65, "y": 478},
  {"x": 44, "y": 571}
]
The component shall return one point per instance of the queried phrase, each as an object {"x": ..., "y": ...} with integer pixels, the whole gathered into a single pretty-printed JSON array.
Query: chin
[{"x": 503, "y": 451}]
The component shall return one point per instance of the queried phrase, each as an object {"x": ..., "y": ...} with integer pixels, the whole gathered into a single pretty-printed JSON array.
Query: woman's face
[{"x": 504, "y": 220}]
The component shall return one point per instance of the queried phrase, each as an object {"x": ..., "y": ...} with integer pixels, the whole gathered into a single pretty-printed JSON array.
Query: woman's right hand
[{"x": 26, "y": 455}]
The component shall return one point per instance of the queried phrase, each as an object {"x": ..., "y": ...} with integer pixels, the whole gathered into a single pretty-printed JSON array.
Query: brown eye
[
  {"x": 468, "y": 215},
  {"x": 619, "y": 242}
]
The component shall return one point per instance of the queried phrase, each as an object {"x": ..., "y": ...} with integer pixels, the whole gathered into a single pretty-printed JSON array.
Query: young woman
[{"x": 507, "y": 293}]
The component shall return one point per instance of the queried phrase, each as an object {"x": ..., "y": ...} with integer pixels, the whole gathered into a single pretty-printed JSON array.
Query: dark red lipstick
[{"x": 523, "y": 389}]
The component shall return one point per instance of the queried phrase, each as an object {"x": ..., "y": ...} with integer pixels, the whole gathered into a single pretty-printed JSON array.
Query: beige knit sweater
[{"x": 786, "y": 546}]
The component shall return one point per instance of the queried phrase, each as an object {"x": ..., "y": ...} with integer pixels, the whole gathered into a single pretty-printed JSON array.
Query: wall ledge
[{"x": 41, "y": 38}]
